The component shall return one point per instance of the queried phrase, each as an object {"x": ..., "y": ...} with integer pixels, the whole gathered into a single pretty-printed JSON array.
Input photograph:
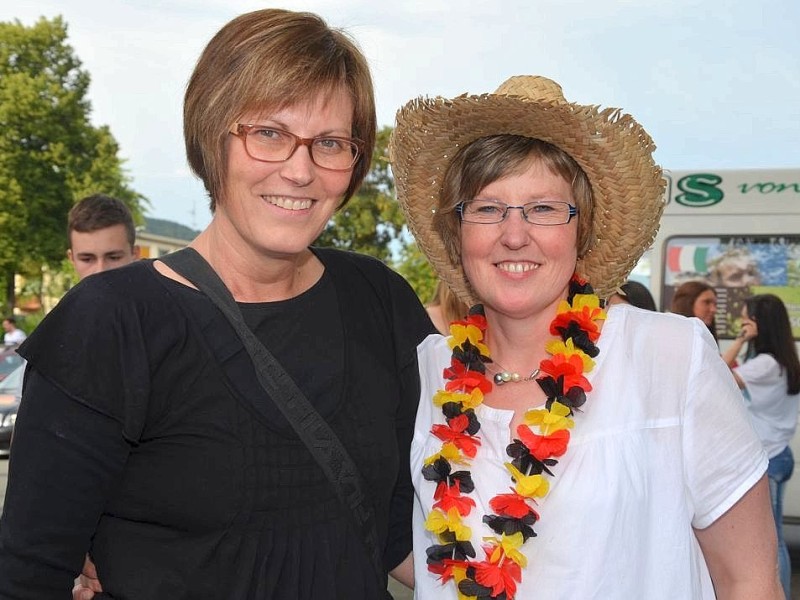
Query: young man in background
[
  {"x": 13, "y": 335},
  {"x": 101, "y": 235}
]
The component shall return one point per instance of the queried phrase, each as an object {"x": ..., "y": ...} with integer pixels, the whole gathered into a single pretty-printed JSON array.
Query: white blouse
[
  {"x": 772, "y": 410},
  {"x": 663, "y": 446}
]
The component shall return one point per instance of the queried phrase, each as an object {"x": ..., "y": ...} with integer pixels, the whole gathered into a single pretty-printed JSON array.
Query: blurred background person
[
  {"x": 770, "y": 374},
  {"x": 634, "y": 293},
  {"x": 696, "y": 299},
  {"x": 13, "y": 335},
  {"x": 445, "y": 308},
  {"x": 101, "y": 235}
]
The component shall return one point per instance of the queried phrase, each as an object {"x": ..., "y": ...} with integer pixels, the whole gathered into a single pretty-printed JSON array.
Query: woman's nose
[
  {"x": 516, "y": 230},
  {"x": 299, "y": 167}
]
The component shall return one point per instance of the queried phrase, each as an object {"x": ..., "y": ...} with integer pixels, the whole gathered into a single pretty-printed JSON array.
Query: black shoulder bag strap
[{"x": 315, "y": 433}]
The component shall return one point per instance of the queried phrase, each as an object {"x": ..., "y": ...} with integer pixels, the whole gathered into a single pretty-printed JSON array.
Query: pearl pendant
[{"x": 503, "y": 377}]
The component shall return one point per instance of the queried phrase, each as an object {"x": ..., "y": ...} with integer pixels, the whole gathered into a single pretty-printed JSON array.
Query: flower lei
[{"x": 532, "y": 453}]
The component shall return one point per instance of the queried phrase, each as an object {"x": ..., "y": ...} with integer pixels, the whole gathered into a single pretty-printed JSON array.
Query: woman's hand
[
  {"x": 747, "y": 332},
  {"x": 87, "y": 584},
  {"x": 731, "y": 353}
]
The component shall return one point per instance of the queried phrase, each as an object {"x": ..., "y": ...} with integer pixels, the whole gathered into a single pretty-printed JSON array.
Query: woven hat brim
[{"x": 614, "y": 151}]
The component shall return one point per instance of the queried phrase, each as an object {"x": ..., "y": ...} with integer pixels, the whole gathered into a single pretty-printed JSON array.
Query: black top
[{"x": 190, "y": 481}]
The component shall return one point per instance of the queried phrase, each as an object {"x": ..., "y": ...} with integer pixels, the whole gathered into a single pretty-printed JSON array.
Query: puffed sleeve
[
  {"x": 84, "y": 406},
  {"x": 723, "y": 455},
  {"x": 92, "y": 347}
]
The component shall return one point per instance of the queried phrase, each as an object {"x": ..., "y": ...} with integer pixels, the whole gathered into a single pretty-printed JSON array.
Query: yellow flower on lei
[
  {"x": 439, "y": 523},
  {"x": 450, "y": 452},
  {"x": 567, "y": 349},
  {"x": 471, "y": 400},
  {"x": 461, "y": 333},
  {"x": 581, "y": 302},
  {"x": 509, "y": 546},
  {"x": 530, "y": 486},
  {"x": 550, "y": 421}
]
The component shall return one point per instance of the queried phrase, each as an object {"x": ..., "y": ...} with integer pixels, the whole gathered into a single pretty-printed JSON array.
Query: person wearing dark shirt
[{"x": 144, "y": 437}]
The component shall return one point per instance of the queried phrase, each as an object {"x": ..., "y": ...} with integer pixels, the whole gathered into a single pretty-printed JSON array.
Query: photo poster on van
[{"x": 737, "y": 267}]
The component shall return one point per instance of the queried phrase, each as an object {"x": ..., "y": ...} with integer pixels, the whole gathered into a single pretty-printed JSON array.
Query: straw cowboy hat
[{"x": 613, "y": 150}]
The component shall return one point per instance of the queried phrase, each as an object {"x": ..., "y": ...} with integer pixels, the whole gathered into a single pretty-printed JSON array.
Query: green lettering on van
[
  {"x": 770, "y": 187},
  {"x": 699, "y": 190}
]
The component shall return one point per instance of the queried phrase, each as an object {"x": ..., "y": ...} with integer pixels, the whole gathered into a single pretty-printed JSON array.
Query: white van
[{"x": 739, "y": 231}]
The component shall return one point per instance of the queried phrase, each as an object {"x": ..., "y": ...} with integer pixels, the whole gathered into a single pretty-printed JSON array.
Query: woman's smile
[
  {"x": 289, "y": 203},
  {"x": 517, "y": 267}
]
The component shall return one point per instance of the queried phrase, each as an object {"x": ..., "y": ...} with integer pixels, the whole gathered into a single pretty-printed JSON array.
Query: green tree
[
  {"x": 416, "y": 269},
  {"x": 50, "y": 153},
  {"x": 373, "y": 223}
]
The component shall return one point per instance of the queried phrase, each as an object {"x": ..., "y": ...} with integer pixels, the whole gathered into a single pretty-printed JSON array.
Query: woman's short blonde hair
[
  {"x": 490, "y": 158},
  {"x": 262, "y": 62}
]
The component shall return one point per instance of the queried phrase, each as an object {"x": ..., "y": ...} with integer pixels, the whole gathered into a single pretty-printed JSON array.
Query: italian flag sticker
[{"x": 683, "y": 259}]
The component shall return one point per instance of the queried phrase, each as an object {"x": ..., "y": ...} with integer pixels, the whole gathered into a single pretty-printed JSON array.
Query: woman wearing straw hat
[{"x": 561, "y": 451}]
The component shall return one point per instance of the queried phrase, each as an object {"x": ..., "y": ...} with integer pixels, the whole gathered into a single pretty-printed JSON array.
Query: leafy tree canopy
[
  {"x": 50, "y": 153},
  {"x": 373, "y": 223}
]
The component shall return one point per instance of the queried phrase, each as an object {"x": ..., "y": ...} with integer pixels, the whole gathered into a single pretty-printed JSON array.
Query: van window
[{"x": 737, "y": 267}]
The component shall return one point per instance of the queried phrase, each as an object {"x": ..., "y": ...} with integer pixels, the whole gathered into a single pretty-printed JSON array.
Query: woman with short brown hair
[{"x": 147, "y": 437}]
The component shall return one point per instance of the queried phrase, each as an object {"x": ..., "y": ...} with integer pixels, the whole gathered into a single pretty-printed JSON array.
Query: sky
[{"x": 716, "y": 83}]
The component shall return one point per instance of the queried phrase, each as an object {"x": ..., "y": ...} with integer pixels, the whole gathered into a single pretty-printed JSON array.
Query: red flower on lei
[{"x": 499, "y": 575}]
